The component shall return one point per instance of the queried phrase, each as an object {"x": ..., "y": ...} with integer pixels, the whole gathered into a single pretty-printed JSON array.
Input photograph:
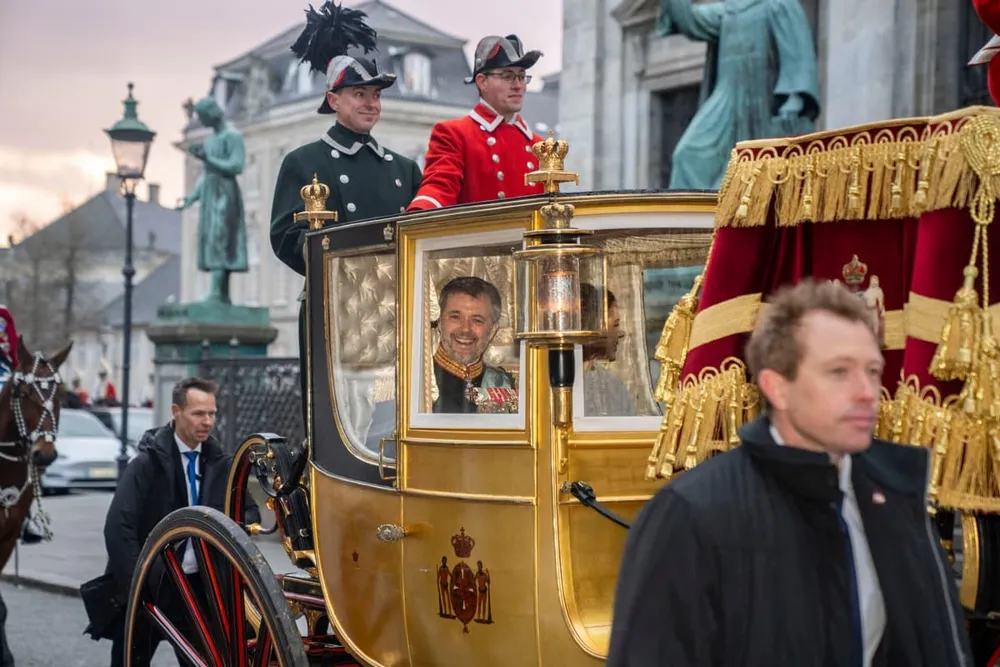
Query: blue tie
[
  {"x": 852, "y": 581},
  {"x": 192, "y": 471}
]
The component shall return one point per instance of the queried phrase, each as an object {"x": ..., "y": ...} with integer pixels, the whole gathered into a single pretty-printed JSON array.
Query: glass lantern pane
[
  {"x": 130, "y": 157},
  {"x": 559, "y": 293},
  {"x": 593, "y": 294}
]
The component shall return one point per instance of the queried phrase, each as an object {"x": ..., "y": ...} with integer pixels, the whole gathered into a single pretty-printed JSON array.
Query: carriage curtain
[{"x": 890, "y": 209}]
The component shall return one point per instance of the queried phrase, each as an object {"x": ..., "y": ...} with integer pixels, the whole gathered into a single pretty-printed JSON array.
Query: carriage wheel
[{"x": 207, "y": 620}]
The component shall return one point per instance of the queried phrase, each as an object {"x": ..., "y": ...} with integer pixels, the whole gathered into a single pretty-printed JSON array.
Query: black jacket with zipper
[{"x": 740, "y": 562}]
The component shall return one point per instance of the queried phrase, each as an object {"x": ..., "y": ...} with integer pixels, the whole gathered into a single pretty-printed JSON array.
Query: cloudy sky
[{"x": 64, "y": 66}]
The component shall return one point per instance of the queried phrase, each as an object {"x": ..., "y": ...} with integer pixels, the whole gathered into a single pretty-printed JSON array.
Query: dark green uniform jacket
[{"x": 366, "y": 180}]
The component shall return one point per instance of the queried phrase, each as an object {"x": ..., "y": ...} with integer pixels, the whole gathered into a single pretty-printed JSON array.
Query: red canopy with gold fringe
[{"x": 901, "y": 212}]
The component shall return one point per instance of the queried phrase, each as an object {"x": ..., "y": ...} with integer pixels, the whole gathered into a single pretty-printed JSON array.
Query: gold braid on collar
[{"x": 462, "y": 371}]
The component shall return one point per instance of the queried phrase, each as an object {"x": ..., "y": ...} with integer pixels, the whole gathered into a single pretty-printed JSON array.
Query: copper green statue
[
  {"x": 222, "y": 233},
  {"x": 760, "y": 80}
]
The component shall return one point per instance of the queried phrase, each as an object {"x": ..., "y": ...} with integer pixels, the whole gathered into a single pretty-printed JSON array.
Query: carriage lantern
[
  {"x": 549, "y": 274},
  {"x": 130, "y": 141}
]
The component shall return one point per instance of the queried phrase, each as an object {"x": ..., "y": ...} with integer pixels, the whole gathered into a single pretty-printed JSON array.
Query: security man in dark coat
[
  {"x": 177, "y": 465},
  {"x": 366, "y": 179},
  {"x": 810, "y": 544}
]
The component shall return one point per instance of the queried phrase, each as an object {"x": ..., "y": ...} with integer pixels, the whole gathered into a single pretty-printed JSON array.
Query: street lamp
[{"x": 130, "y": 142}]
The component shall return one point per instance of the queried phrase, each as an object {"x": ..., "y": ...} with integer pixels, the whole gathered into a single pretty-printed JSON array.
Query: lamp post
[{"x": 130, "y": 142}]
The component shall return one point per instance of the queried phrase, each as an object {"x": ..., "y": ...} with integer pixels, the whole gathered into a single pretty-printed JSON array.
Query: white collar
[
  {"x": 843, "y": 470},
  {"x": 183, "y": 447},
  {"x": 492, "y": 124}
]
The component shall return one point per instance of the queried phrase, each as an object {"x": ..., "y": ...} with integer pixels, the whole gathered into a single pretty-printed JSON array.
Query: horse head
[{"x": 33, "y": 397}]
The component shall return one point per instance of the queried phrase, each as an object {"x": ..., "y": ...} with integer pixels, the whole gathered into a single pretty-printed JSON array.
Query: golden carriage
[{"x": 495, "y": 538}]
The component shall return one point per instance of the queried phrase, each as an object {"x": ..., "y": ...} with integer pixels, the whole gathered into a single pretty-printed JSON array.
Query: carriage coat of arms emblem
[{"x": 463, "y": 593}]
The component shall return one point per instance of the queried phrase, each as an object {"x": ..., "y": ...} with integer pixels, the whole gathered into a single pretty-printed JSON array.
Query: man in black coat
[
  {"x": 157, "y": 482},
  {"x": 366, "y": 179},
  {"x": 808, "y": 546}
]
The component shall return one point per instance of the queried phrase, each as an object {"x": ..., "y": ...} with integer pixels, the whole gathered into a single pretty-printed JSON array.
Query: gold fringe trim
[
  {"x": 703, "y": 418},
  {"x": 896, "y": 169}
]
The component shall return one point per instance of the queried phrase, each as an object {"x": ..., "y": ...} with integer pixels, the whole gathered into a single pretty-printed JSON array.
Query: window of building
[{"x": 417, "y": 74}]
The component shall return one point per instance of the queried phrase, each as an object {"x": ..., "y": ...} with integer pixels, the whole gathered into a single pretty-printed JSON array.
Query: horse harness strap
[{"x": 47, "y": 389}]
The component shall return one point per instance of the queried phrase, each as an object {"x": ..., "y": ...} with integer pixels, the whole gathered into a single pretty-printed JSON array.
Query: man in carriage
[
  {"x": 470, "y": 309},
  {"x": 484, "y": 156},
  {"x": 366, "y": 179}
]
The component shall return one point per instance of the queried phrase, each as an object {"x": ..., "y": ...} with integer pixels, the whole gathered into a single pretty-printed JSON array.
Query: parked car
[
  {"x": 88, "y": 454},
  {"x": 140, "y": 420}
]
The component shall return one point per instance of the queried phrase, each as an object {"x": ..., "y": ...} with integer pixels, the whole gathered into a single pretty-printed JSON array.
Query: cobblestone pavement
[{"x": 45, "y": 630}]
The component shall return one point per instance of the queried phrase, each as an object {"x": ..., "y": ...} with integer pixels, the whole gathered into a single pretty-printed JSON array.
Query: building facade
[
  {"x": 64, "y": 281},
  {"x": 627, "y": 94},
  {"x": 272, "y": 99}
]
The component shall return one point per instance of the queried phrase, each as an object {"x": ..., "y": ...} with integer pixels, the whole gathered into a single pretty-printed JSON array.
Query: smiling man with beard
[{"x": 470, "y": 318}]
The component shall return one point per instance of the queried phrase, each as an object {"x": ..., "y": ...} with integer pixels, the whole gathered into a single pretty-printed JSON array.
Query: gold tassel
[
  {"x": 744, "y": 208},
  {"x": 924, "y": 183},
  {"x": 672, "y": 349},
  {"x": 961, "y": 332},
  {"x": 807, "y": 190},
  {"x": 940, "y": 448},
  {"x": 897, "y": 181},
  {"x": 854, "y": 190}
]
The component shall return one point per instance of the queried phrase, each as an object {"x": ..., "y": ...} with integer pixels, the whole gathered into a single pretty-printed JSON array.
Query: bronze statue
[
  {"x": 760, "y": 80},
  {"x": 222, "y": 234}
]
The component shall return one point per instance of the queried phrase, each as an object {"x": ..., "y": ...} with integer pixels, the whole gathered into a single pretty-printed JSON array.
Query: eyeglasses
[{"x": 508, "y": 77}]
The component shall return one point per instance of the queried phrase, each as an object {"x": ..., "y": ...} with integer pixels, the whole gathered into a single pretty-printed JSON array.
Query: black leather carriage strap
[{"x": 585, "y": 494}]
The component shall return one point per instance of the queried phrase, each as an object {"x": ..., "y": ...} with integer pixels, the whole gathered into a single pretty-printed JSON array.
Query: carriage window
[
  {"x": 467, "y": 365},
  {"x": 647, "y": 273},
  {"x": 362, "y": 337}
]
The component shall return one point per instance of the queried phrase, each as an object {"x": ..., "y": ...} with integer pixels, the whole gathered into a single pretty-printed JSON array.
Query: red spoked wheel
[{"x": 205, "y": 614}]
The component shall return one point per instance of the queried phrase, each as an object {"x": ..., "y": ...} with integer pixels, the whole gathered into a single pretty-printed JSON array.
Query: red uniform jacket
[{"x": 478, "y": 157}]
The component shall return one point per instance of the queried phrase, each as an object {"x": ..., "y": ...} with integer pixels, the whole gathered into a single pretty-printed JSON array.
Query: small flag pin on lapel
[{"x": 878, "y": 498}]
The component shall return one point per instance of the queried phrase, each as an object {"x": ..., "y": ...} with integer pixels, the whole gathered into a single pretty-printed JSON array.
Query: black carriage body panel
[{"x": 329, "y": 451}]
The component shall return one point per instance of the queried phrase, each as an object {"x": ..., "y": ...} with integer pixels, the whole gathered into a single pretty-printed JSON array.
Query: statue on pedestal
[
  {"x": 760, "y": 80},
  {"x": 222, "y": 234}
]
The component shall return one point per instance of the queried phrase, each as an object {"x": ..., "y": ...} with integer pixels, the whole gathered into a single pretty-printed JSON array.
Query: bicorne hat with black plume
[{"x": 329, "y": 34}]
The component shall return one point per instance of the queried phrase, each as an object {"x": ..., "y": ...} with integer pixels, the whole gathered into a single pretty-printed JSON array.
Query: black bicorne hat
[
  {"x": 494, "y": 52},
  {"x": 324, "y": 43}
]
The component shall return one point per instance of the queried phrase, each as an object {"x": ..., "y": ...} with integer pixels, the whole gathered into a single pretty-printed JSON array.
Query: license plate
[{"x": 103, "y": 473}]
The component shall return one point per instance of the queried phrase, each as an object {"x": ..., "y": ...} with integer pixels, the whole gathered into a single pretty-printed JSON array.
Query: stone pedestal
[{"x": 184, "y": 333}]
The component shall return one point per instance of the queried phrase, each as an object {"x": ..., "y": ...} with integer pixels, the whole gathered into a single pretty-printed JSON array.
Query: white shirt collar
[
  {"x": 843, "y": 470},
  {"x": 184, "y": 448}
]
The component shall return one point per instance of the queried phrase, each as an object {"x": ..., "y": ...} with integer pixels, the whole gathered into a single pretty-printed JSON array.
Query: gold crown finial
[
  {"x": 551, "y": 154},
  {"x": 315, "y": 195},
  {"x": 855, "y": 272}
]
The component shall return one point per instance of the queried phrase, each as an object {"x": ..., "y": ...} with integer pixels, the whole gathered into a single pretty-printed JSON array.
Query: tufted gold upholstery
[{"x": 362, "y": 337}]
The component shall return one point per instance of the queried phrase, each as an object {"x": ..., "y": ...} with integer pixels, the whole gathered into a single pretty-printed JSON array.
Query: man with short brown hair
[
  {"x": 178, "y": 465},
  {"x": 808, "y": 545},
  {"x": 484, "y": 155}
]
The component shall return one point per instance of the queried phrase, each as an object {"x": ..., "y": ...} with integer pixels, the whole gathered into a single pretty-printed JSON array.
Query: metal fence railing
[{"x": 255, "y": 394}]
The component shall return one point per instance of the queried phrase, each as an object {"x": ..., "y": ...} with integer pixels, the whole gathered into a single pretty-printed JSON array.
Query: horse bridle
[{"x": 47, "y": 389}]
